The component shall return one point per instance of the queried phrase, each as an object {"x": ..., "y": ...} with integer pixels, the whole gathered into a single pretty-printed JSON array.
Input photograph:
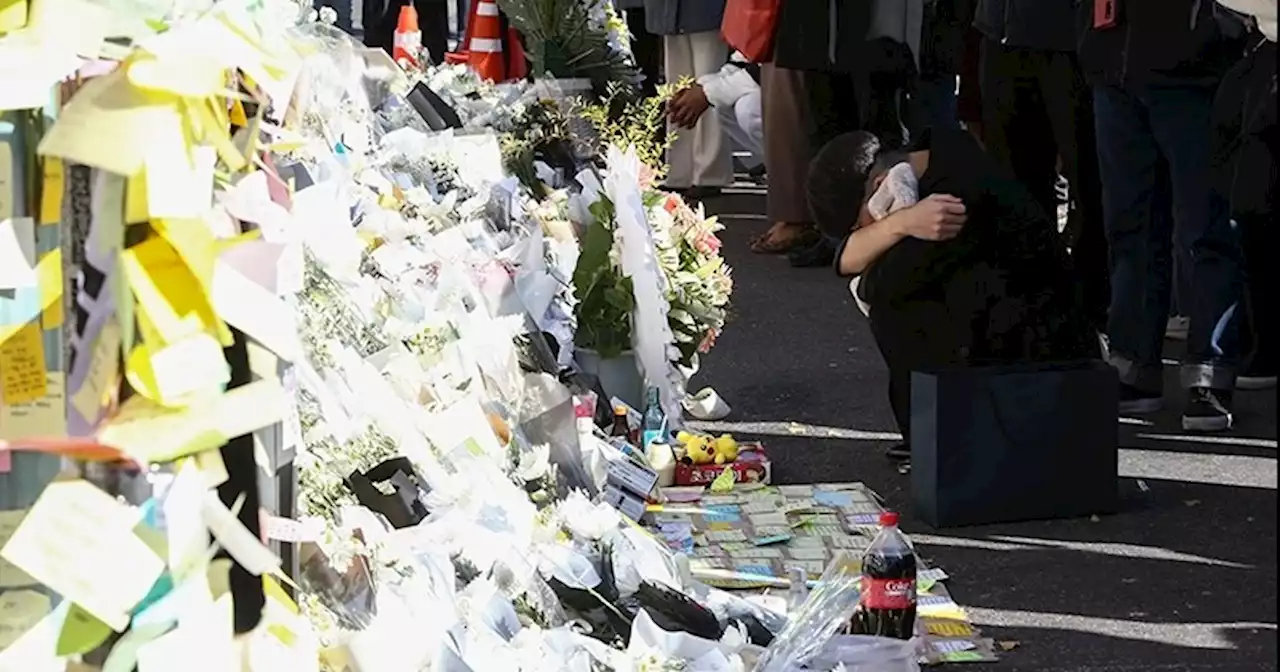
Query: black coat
[
  {"x": 1245, "y": 135},
  {"x": 808, "y": 40},
  {"x": 1006, "y": 281},
  {"x": 1036, "y": 24},
  {"x": 942, "y": 45},
  {"x": 1186, "y": 42}
]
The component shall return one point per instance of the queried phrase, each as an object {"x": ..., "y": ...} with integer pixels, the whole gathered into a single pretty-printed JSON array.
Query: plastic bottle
[
  {"x": 651, "y": 427},
  {"x": 888, "y": 603}
]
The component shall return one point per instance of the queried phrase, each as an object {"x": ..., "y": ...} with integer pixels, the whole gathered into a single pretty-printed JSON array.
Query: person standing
[
  {"x": 1037, "y": 107},
  {"x": 933, "y": 101},
  {"x": 1246, "y": 144},
  {"x": 645, "y": 46},
  {"x": 700, "y": 160},
  {"x": 1155, "y": 66}
]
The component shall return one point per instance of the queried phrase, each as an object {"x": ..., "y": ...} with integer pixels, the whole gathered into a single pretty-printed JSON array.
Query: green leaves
[{"x": 605, "y": 297}]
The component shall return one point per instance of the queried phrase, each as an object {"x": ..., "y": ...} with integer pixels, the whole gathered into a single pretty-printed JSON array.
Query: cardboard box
[{"x": 752, "y": 466}]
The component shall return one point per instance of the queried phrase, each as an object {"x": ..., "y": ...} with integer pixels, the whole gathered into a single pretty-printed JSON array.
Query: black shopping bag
[{"x": 1009, "y": 443}]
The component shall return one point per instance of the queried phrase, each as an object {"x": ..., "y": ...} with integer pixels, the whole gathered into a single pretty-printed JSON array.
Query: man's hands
[
  {"x": 687, "y": 106},
  {"x": 937, "y": 217}
]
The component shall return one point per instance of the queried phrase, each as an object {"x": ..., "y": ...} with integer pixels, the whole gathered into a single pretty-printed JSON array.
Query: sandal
[{"x": 784, "y": 239}]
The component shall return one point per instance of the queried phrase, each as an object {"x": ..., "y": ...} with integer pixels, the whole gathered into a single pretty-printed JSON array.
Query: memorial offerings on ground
[{"x": 407, "y": 311}]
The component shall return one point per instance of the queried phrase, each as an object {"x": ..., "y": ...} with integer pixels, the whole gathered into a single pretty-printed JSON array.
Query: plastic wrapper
[{"x": 830, "y": 606}]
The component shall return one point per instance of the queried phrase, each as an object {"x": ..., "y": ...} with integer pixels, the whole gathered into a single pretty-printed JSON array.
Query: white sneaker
[{"x": 1177, "y": 327}]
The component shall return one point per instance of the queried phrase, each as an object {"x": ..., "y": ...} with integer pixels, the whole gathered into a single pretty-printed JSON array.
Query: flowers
[{"x": 699, "y": 282}]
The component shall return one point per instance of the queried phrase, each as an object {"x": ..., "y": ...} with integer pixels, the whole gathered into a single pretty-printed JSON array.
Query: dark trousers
[
  {"x": 1258, "y": 235},
  {"x": 918, "y": 336},
  {"x": 1137, "y": 129},
  {"x": 1036, "y": 107},
  {"x": 647, "y": 48}
]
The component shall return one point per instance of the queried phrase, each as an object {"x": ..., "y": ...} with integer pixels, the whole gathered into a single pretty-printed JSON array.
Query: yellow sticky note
[
  {"x": 112, "y": 125},
  {"x": 44, "y": 417},
  {"x": 51, "y": 191},
  {"x": 135, "y": 199},
  {"x": 81, "y": 632},
  {"x": 152, "y": 433},
  {"x": 236, "y": 113},
  {"x": 78, "y": 541},
  {"x": 22, "y": 378},
  {"x": 10, "y": 576},
  {"x": 171, "y": 374},
  {"x": 13, "y": 15},
  {"x": 49, "y": 276},
  {"x": 170, "y": 293},
  {"x": 6, "y": 175},
  {"x": 20, "y": 610}
]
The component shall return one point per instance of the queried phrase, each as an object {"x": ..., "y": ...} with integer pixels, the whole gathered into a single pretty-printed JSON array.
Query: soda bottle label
[{"x": 890, "y": 594}]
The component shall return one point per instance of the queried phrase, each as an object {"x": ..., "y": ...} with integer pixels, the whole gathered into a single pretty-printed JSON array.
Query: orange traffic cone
[
  {"x": 407, "y": 42},
  {"x": 484, "y": 48}
]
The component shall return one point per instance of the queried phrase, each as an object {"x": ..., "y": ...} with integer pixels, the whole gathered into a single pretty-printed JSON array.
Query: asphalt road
[{"x": 1183, "y": 578}]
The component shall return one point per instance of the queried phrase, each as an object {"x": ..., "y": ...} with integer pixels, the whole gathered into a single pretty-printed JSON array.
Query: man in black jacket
[
  {"x": 1036, "y": 107},
  {"x": 1154, "y": 66},
  {"x": 974, "y": 273}
]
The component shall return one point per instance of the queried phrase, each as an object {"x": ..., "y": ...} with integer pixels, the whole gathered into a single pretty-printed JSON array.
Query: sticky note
[
  {"x": 78, "y": 541},
  {"x": 11, "y": 576},
  {"x": 102, "y": 374},
  {"x": 187, "y": 534},
  {"x": 152, "y": 433},
  {"x": 170, "y": 374},
  {"x": 51, "y": 188},
  {"x": 111, "y": 125},
  {"x": 238, "y": 541},
  {"x": 135, "y": 199},
  {"x": 169, "y": 292},
  {"x": 49, "y": 276},
  {"x": 43, "y": 417},
  {"x": 13, "y": 15},
  {"x": 179, "y": 184},
  {"x": 22, "y": 373},
  {"x": 6, "y": 174},
  {"x": 17, "y": 251},
  {"x": 81, "y": 632},
  {"x": 20, "y": 610}
]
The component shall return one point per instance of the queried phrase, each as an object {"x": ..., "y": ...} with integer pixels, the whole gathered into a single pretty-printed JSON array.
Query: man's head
[{"x": 843, "y": 175}]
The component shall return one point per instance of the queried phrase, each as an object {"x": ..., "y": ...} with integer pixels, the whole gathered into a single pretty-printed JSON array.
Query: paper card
[
  {"x": 7, "y": 187},
  {"x": 244, "y": 294},
  {"x": 17, "y": 247},
  {"x": 44, "y": 417},
  {"x": 49, "y": 276},
  {"x": 111, "y": 125},
  {"x": 182, "y": 505},
  {"x": 245, "y": 548},
  {"x": 177, "y": 371},
  {"x": 179, "y": 184},
  {"x": 22, "y": 375},
  {"x": 102, "y": 374},
  {"x": 463, "y": 432},
  {"x": 151, "y": 433},
  {"x": 20, "y": 610},
  {"x": 11, "y": 576},
  {"x": 78, "y": 541}
]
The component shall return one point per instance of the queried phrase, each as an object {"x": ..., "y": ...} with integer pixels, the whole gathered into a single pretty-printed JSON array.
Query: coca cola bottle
[{"x": 888, "y": 604}]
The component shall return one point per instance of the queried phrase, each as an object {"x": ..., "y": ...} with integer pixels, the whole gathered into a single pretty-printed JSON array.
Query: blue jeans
[{"x": 1146, "y": 217}]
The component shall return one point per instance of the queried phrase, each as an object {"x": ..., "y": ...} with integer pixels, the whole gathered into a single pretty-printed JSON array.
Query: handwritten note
[
  {"x": 102, "y": 375},
  {"x": 78, "y": 541},
  {"x": 20, "y": 610},
  {"x": 22, "y": 373},
  {"x": 10, "y": 576},
  {"x": 45, "y": 416}
]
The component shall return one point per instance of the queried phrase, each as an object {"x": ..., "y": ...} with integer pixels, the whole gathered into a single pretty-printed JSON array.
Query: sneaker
[
  {"x": 1177, "y": 327},
  {"x": 1207, "y": 411},
  {"x": 1134, "y": 401}
]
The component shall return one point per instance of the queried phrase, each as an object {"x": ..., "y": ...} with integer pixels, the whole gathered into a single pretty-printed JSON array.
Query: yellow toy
[
  {"x": 726, "y": 449},
  {"x": 699, "y": 450}
]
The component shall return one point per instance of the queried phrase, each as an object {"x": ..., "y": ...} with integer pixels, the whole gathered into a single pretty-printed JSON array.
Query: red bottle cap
[
  {"x": 889, "y": 519},
  {"x": 407, "y": 22}
]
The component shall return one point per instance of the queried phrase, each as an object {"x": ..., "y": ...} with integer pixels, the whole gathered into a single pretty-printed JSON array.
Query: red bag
[{"x": 749, "y": 26}]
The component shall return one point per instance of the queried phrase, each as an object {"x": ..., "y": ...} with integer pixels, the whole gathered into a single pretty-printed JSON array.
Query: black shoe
[
  {"x": 757, "y": 174},
  {"x": 821, "y": 253},
  {"x": 1257, "y": 377},
  {"x": 899, "y": 452},
  {"x": 1207, "y": 411},
  {"x": 701, "y": 193},
  {"x": 1134, "y": 401}
]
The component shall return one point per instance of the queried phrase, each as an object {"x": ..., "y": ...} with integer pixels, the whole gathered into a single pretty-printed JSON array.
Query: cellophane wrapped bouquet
[{"x": 699, "y": 282}]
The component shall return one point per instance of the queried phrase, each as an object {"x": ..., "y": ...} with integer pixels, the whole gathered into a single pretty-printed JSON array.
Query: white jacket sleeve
[
  {"x": 726, "y": 86},
  {"x": 1264, "y": 11}
]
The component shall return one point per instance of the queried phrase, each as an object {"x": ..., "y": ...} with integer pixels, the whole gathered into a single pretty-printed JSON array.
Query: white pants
[
  {"x": 700, "y": 156},
  {"x": 745, "y": 126}
]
